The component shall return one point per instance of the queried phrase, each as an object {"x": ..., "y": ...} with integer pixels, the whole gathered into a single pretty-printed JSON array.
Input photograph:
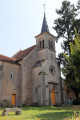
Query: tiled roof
[
  {"x": 7, "y": 59},
  {"x": 17, "y": 56},
  {"x": 23, "y": 53}
]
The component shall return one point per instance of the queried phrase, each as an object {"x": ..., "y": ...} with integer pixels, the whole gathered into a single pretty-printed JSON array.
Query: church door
[
  {"x": 13, "y": 99},
  {"x": 53, "y": 96}
]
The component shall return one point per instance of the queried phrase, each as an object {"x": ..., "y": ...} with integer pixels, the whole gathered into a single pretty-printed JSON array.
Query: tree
[
  {"x": 72, "y": 69},
  {"x": 78, "y": 4},
  {"x": 76, "y": 25},
  {"x": 64, "y": 24},
  {"x": 74, "y": 58}
]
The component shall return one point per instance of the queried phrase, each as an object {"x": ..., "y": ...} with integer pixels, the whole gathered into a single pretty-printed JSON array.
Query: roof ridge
[
  {"x": 24, "y": 53},
  {"x": 29, "y": 47},
  {"x": 16, "y": 53}
]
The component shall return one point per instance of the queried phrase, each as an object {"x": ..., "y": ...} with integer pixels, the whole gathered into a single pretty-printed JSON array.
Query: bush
[
  {"x": 35, "y": 104},
  {"x": 76, "y": 102},
  {"x": 5, "y": 103}
]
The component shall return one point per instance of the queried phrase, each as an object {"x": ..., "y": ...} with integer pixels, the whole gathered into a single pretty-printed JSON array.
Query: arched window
[
  {"x": 50, "y": 44},
  {"x": 36, "y": 89},
  {"x": 40, "y": 45},
  {"x": 11, "y": 76},
  {"x": 43, "y": 44}
]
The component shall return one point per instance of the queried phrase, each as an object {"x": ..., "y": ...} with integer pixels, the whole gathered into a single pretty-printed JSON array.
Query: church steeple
[
  {"x": 44, "y": 25},
  {"x": 45, "y": 39}
]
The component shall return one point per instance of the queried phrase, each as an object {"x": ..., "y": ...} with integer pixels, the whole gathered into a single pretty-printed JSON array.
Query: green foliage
[
  {"x": 74, "y": 58},
  {"x": 75, "y": 116},
  {"x": 64, "y": 25},
  {"x": 72, "y": 70}
]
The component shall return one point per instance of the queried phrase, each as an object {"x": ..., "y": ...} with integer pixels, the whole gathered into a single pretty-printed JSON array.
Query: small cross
[{"x": 44, "y": 7}]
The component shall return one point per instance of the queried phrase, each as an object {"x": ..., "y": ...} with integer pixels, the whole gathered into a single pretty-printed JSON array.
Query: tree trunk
[{"x": 68, "y": 40}]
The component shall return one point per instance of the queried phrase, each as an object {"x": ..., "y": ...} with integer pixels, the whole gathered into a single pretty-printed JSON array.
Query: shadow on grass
[
  {"x": 55, "y": 116},
  {"x": 70, "y": 108},
  {"x": 45, "y": 108},
  {"x": 51, "y": 113}
]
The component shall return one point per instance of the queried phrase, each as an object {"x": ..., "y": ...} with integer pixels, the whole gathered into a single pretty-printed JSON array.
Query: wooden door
[
  {"x": 13, "y": 99},
  {"x": 53, "y": 96}
]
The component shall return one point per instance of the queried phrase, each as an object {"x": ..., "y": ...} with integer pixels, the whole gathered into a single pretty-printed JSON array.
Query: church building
[{"x": 32, "y": 76}]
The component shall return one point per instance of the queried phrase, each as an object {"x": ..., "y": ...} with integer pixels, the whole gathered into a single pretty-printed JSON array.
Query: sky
[{"x": 21, "y": 21}]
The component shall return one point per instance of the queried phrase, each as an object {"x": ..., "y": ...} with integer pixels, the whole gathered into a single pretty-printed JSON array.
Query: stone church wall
[
  {"x": 1, "y": 75},
  {"x": 42, "y": 77},
  {"x": 9, "y": 82},
  {"x": 27, "y": 82}
]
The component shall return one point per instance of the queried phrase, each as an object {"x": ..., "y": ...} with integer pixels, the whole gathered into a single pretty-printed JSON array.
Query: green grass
[{"x": 42, "y": 113}]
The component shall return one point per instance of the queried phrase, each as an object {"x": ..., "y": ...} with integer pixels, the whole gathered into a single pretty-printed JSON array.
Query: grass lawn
[{"x": 42, "y": 113}]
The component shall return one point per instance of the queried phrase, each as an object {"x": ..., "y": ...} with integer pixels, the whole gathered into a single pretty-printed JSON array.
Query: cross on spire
[{"x": 44, "y": 7}]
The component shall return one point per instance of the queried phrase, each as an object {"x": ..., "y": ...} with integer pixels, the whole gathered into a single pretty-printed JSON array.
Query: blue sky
[{"x": 21, "y": 21}]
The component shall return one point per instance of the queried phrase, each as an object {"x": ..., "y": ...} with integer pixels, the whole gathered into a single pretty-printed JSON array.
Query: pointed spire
[{"x": 44, "y": 25}]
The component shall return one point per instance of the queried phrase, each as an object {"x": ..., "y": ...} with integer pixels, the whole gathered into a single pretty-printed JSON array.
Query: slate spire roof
[{"x": 44, "y": 25}]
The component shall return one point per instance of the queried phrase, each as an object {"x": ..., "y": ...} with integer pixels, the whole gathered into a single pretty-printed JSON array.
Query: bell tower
[
  {"x": 46, "y": 72},
  {"x": 45, "y": 39}
]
